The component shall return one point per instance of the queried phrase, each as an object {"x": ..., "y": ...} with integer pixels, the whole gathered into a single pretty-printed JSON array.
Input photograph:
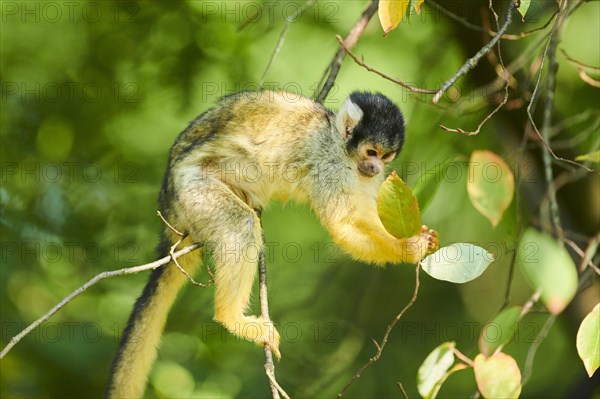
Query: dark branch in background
[
  {"x": 547, "y": 123},
  {"x": 472, "y": 62},
  {"x": 282, "y": 35},
  {"x": 384, "y": 340},
  {"x": 383, "y": 75},
  {"x": 581, "y": 67},
  {"x": 264, "y": 312},
  {"x": 490, "y": 32},
  {"x": 121, "y": 272},
  {"x": 504, "y": 99},
  {"x": 534, "y": 95},
  {"x": 349, "y": 42}
]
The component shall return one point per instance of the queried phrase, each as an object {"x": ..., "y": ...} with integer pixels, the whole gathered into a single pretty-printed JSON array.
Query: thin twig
[
  {"x": 534, "y": 347},
  {"x": 93, "y": 281},
  {"x": 525, "y": 309},
  {"x": 554, "y": 216},
  {"x": 490, "y": 32},
  {"x": 189, "y": 277},
  {"x": 579, "y": 63},
  {"x": 362, "y": 63},
  {"x": 349, "y": 42},
  {"x": 173, "y": 229},
  {"x": 500, "y": 105},
  {"x": 534, "y": 97},
  {"x": 282, "y": 35},
  {"x": 472, "y": 62},
  {"x": 404, "y": 394},
  {"x": 171, "y": 252},
  {"x": 461, "y": 356},
  {"x": 588, "y": 79},
  {"x": 276, "y": 384},
  {"x": 588, "y": 255},
  {"x": 264, "y": 312},
  {"x": 384, "y": 340}
]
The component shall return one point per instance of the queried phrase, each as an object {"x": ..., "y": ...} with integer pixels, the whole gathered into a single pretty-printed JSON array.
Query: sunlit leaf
[
  {"x": 457, "y": 263},
  {"x": 588, "y": 341},
  {"x": 391, "y": 13},
  {"x": 497, "y": 376},
  {"x": 433, "y": 371},
  {"x": 398, "y": 208},
  {"x": 499, "y": 331},
  {"x": 591, "y": 157},
  {"x": 418, "y": 5},
  {"x": 549, "y": 268},
  {"x": 590, "y": 251},
  {"x": 490, "y": 184},
  {"x": 523, "y": 7},
  {"x": 429, "y": 182}
]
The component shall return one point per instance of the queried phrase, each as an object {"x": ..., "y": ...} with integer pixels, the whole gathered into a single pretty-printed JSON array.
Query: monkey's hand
[
  {"x": 414, "y": 249},
  {"x": 431, "y": 236}
]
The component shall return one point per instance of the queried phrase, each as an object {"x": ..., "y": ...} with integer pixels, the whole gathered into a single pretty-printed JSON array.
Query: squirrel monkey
[{"x": 231, "y": 161}]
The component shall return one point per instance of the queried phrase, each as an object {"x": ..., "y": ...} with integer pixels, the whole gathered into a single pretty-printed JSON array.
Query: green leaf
[
  {"x": 591, "y": 157},
  {"x": 490, "y": 184},
  {"x": 457, "y": 263},
  {"x": 499, "y": 331},
  {"x": 590, "y": 251},
  {"x": 497, "y": 376},
  {"x": 549, "y": 268},
  {"x": 398, "y": 208},
  {"x": 433, "y": 371},
  {"x": 429, "y": 182},
  {"x": 588, "y": 341},
  {"x": 523, "y": 7}
]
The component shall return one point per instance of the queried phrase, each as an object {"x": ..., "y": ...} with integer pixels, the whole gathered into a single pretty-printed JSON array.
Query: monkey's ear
[{"x": 347, "y": 118}]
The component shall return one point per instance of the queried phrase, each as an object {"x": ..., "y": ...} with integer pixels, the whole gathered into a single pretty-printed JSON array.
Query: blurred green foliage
[{"x": 93, "y": 95}]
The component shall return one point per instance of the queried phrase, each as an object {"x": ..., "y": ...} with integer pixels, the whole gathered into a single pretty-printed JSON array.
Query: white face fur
[{"x": 347, "y": 118}]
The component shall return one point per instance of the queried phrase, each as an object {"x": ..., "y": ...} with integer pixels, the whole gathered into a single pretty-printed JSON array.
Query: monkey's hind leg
[{"x": 231, "y": 231}]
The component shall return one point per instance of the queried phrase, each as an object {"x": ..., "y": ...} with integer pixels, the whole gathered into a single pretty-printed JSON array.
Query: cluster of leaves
[
  {"x": 392, "y": 12},
  {"x": 546, "y": 264}
]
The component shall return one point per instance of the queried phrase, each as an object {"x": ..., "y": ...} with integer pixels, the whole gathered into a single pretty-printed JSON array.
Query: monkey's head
[{"x": 373, "y": 128}]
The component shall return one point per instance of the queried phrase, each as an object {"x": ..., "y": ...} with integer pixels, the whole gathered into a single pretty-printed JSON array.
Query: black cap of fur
[{"x": 382, "y": 123}]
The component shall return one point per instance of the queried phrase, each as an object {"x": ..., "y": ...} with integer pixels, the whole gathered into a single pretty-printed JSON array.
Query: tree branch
[
  {"x": 121, "y": 272},
  {"x": 500, "y": 105},
  {"x": 264, "y": 312},
  {"x": 282, "y": 35},
  {"x": 383, "y": 75},
  {"x": 490, "y": 32},
  {"x": 472, "y": 62},
  {"x": 349, "y": 42},
  {"x": 384, "y": 340}
]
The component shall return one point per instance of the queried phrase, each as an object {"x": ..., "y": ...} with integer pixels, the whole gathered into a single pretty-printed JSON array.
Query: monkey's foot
[
  {"x": 257, "y": 330},
  {"x": 433, "y": 241}
]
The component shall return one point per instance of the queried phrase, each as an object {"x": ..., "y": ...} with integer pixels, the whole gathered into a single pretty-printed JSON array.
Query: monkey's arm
[{"x": 359, "y": 231}]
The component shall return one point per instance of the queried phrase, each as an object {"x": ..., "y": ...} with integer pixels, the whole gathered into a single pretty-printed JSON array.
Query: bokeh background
[{"x": 95, "y": 92}]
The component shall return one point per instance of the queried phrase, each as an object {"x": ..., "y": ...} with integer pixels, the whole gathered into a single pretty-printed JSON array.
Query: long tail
[{"x": 139, "y": 343}]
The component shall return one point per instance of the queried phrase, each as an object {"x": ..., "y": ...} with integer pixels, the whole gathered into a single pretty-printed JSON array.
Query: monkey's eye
[
  {"x": 389, "y": 155},
  {"x": 371, "y": 153}
]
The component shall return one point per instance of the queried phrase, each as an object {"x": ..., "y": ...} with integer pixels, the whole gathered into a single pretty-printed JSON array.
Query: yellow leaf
[
  {"x": 418, "y": 5},
  {"x": 497, "y": 376},
  {"x": 591, "y": 157},
  {"x": 391, "y": 13},
  {"x": 490, "y": 185}
]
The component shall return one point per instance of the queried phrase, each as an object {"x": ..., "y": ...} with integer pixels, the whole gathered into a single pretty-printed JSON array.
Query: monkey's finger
[{"x": 275, "y": 351}]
